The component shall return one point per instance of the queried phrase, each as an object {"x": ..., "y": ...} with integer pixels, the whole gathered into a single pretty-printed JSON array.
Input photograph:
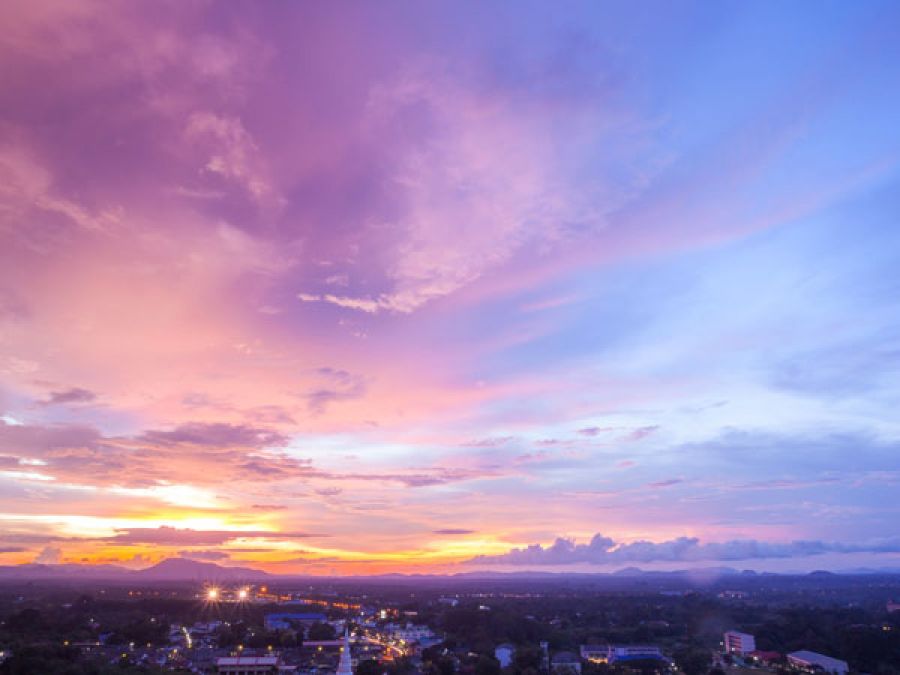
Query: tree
[
  {"x": 527, "y": 658},
  {"x": 487, "y": 665},
  {"x": 693, "y": 660},
  {"x": 321, "y": 631}
]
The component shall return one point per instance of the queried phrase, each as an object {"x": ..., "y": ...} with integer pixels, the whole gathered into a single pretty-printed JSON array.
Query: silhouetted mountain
[
  {"x": 870, "y": 570},
  {"x": 628, "y": 572},
  {"x": 182, "y": 569}
]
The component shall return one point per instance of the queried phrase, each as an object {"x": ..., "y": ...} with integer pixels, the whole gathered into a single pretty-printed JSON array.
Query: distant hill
[
  {"x": 170, "y": 569},
  {"x": 182, "y": 569}
]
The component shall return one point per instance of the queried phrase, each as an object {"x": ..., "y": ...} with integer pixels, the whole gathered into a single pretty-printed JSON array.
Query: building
[
  {"x": 288, "y": 620},
  {"x": 620, "y": 653},
  {"x": 409, "y": 632},
  {"x": 565, "y": 663},
  {"x": 248, "y": 665},
  {"x": 808, "y": 660},
  {"x": 545, "y": 656},
  {"x": 504, "y": 654},
  {"x": 739, "y": 643},
  {"x": 345, "y": 665}
]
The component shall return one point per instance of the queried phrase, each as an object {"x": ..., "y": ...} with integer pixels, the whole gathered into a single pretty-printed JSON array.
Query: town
[{"x": 578, "y": 625}]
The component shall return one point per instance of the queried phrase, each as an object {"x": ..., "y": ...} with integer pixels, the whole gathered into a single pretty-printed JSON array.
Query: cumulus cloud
[
  {"x": 602, "y": 550},
  {"x": 49, "y": 555}
]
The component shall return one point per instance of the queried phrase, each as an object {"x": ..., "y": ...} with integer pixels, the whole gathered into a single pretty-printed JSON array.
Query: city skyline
[{"x": 358, "y": 288}]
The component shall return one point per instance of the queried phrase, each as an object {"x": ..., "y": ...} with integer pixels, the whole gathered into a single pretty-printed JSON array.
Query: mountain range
[
  {"x": 184, "y": 569},
  {"x": 170, "y": 569}
]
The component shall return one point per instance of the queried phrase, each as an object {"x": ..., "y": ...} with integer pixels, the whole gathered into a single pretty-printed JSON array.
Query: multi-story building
[{"x": 739, "y": 643}]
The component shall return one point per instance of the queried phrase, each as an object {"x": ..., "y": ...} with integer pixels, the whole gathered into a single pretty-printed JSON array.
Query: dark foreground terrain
[{"x": 515, "y": 624}]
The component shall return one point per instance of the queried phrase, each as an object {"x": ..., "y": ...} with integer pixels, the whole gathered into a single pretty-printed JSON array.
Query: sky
[{"x": 353, "y": 288}]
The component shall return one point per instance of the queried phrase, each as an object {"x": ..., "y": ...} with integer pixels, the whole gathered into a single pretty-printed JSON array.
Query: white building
[
  {"x": 808, "y": 660},
  {"x": 504, "y": 654},
  {"x": 345, "y": 666},
  {"x": 739, "y": 643}
]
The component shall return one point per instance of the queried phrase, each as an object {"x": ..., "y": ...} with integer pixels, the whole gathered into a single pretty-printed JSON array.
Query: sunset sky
[{"x": 363, "y": 287}]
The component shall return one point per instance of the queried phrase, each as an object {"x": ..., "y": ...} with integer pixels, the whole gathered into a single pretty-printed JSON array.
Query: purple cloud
[
  {"x": 73, "y": 395},
  {"x": 604, "y": 551},
  {"x": 217, "y": 434},
  {"x": 171, "y": 536},
  {"x": 204, "y": 555}
]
